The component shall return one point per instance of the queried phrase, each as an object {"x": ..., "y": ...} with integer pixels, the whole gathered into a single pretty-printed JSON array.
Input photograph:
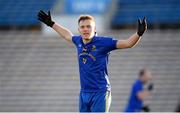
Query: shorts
[{"x": 94, "y": 101}]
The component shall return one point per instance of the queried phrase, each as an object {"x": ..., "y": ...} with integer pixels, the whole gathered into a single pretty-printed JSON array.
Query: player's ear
[{"x": 79, "y": 30}]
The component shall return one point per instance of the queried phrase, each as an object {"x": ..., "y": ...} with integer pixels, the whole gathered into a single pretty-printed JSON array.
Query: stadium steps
[{"x": 40, "y": 73}]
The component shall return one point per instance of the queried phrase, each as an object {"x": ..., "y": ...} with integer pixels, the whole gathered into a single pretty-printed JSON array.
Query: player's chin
[{"x": 86, "y": 38}]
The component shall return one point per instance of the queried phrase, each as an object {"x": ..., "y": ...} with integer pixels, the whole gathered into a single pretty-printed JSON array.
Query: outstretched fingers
[
  {"x": 49, "y": 14},
  {"x": 139, "y": 21},
  {"x": 42, "y": 14},
  {"x": 144, "y": 20}
]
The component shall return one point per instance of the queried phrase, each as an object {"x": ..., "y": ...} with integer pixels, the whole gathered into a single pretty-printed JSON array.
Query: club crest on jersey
[
  {"x": 84, "y": 60},
  {"x": 93, "y": 48}
]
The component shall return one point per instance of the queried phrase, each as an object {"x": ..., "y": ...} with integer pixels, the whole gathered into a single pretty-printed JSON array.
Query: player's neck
[{"x": 85, "y": 41}]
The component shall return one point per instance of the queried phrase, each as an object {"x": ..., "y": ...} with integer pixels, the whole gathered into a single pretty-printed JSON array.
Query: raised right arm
[
  {"x": 64, "y": 32},
  {"x": 46, "y": 19}
]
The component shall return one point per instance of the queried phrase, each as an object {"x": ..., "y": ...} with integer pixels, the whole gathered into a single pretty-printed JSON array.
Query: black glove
[
  {"x": 150, "y": 87},
  {"x": 43, "y": 17},
  {"x": 142, "y": 26},
  {"x": 145, "y": 108}
]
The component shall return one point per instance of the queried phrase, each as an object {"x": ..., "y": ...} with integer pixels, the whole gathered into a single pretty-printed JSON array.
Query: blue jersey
[
  {"x": 135, "y": 104},
  {"x": 93, "y": 60}
]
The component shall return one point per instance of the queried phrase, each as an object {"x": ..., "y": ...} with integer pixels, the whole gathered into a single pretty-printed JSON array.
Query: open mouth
[{"x": 85, "y": 34}]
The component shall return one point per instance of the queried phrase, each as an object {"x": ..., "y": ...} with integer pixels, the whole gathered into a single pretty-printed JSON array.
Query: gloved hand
[
  {"x": 150, "y": 87},
  {"x": 46, "y": 19},
  {"x": 142, "y": 26},
  {"x": 145, "y": 108}
]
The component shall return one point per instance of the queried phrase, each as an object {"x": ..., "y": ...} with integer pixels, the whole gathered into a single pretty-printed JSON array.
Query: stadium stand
[
  {"x": 158, "y": 12},
  {"x": 40, "y": 73},
  {"x": 20, "y": 13}
]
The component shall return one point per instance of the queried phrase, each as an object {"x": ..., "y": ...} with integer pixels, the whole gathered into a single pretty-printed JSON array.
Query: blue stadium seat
[
  {"x": 157, "y": 12},
  {"x": 22, "y": 12}
]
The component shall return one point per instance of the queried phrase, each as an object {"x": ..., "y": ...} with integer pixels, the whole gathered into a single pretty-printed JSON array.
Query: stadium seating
[
  {"x": 158, "y": 12},
  {"x": 20, "y": 13},
  {"x": 40, "y": 73}
]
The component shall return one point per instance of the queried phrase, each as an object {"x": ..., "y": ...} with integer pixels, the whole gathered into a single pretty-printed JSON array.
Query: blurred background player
[
  {"x": 138, "y": 93},
  {"x": 93, "y": 52}
]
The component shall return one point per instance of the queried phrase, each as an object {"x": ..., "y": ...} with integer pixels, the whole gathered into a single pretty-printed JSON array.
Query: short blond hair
[{"x": 85, "y": 17}]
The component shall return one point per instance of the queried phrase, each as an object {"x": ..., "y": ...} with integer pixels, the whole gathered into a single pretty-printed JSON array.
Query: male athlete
[
  {"x": 93, "y": 52},
  {"x": 138, "y": 93}
]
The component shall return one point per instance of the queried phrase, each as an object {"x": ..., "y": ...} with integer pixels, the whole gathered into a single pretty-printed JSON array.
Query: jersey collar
[{"x": 93, "y": 39}]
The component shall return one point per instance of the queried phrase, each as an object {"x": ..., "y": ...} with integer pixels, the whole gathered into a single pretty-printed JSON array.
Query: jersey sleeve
[
  {"x": 75, "y": 40},
  {"x": 109, "y": 44},
  {"x": 137, "y": 88}
]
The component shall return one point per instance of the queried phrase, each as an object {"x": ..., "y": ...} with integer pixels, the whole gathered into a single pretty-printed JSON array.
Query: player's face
[
  {"x": 87, "y": 29},
  {"x": 147, "y": 76}
]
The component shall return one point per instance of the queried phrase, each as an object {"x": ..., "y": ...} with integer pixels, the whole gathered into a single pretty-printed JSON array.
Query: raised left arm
[{"x": 135, "y": 38}]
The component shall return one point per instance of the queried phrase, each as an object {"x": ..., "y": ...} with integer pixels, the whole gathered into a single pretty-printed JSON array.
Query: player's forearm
[
  {"x": 143, "y": 95},
  {"x": 64, "y": 32},
  {"x": 46, "y": 19},
  {"x": 133, "y": 40}
]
